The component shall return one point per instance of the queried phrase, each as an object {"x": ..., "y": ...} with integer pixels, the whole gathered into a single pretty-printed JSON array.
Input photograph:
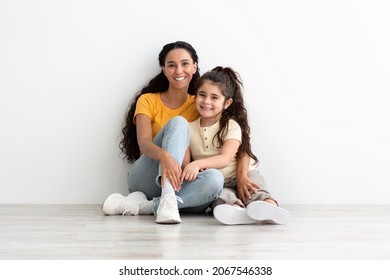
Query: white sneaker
[
  {"x": 168, "y": 212},
  {"x": 117, "y": 204},
  {"x": 263, "y": 211},
  {"x": 232, "y": 215}
]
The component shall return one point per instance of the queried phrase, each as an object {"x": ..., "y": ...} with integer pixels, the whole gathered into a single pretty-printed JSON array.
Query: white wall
[{"x": 317, "y": 89}]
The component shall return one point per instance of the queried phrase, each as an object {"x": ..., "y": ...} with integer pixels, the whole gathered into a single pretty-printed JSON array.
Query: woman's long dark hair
[
  {"x": 230, "y": 84},
  {"x": 128, "y": 144}
]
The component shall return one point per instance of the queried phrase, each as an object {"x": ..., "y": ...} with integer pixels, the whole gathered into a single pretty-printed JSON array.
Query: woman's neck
[{"x": 174, "y": 99}]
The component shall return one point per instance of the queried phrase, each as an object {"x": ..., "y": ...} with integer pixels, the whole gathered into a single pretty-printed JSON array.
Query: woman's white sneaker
[
  {"x": 264, "y": 211},
  {"x": 232, "y": 215},
  {"x": 117, "y": 204},
  {"x": 168, "y": 212}
]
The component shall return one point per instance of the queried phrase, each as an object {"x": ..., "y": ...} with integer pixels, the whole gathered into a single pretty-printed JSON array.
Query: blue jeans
[{"x": 145, "y": 174}]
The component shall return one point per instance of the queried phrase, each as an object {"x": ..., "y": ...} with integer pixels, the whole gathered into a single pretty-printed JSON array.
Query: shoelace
[
  {"x": 168, "y": 201},
  {"x": 129, "y": 208}
]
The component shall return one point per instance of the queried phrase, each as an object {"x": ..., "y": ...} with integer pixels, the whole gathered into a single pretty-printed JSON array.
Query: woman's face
[{"x": 179, "y": 68}]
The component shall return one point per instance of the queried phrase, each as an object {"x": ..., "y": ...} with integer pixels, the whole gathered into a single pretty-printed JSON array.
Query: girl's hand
[
  {"x": 171, "y": 170},
  {"x": 190, "y": 172},
  {"x": 245, "y": 187}
]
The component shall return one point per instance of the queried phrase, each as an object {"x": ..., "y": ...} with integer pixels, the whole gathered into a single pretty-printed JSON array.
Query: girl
[{"x": 217, "y": 139}]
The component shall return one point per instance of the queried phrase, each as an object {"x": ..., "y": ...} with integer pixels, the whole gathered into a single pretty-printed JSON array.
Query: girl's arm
[
  {"x": 244, "y": 185},
  {"x": 226, "y": 156},
  {"x": 170, "y": 168}
]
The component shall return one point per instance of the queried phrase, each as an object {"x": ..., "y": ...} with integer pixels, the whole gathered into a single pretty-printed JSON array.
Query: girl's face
[
  {"x": 210, "y": 102},
  {"x": 179, "y": 68}
]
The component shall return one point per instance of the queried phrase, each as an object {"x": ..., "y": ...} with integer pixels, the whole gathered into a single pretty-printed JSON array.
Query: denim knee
[{"x": 178, "y": 122}]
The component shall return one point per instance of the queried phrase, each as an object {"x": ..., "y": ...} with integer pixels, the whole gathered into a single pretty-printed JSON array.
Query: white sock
[{"x": 168, "y": 188}]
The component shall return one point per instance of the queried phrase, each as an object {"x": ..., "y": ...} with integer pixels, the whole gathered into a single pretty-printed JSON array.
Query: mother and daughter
[{"x": 188, "y": 140}]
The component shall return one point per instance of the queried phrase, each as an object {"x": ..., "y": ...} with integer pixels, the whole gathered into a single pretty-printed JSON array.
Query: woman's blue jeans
[{"x": 145, "y": 174}]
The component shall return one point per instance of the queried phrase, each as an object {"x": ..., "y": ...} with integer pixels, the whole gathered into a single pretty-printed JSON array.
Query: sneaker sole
[
  {"x": 169, "y": 221},
  {"x": 263, "y": 211},
  {"x": 229, "y": 215}
]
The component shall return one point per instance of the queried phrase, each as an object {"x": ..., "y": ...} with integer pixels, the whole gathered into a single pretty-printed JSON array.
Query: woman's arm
[
  {"x": 170, "y": 168},
  {"x": 187, "y": 158},
  {"x": 226, "y": 156},
  {"x": 144, "y": 137}
]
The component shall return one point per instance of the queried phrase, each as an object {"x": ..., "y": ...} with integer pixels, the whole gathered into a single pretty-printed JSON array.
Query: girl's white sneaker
[
  {"x": 232, "y": 215},
  {"x": 264, "y": 211}
]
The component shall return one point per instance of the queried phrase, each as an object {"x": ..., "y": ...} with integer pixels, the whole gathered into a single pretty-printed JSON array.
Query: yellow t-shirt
[
  {"x": 150, "y": 104},
  {"x": 204, "y": 145}
]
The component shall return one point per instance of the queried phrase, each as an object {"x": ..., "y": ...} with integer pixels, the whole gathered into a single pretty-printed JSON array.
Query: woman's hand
[
  {"x": 171, "y": 170},
  {"x": 190, "y": 172},
  {"x": 245, "y": 187}
]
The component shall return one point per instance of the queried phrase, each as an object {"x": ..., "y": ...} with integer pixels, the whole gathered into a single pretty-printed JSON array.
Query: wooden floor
[{"x": 80, "y": 232}]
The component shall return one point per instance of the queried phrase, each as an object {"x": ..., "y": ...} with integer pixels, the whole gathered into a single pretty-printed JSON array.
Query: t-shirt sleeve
[
  {"x": 144, "y": 106},
  {"x": 234, "y": 131}
]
